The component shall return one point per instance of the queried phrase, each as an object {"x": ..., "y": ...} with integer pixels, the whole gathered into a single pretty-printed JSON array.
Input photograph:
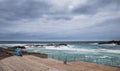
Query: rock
[{"x": 110, "y": 42}]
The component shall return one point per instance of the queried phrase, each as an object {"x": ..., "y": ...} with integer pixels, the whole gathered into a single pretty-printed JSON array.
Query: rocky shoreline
[
  {"x": 7, "y": 51},
  {"x": 10, "y": 51},
  {"x": 110, "y": 42},
  {"x": 29, "y": 62}
]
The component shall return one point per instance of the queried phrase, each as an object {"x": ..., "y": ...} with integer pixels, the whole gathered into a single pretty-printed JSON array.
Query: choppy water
[{"x": 106, "y": 54}]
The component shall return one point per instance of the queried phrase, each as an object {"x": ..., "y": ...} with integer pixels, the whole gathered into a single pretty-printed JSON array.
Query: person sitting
[{"x": 18, "y": 52}]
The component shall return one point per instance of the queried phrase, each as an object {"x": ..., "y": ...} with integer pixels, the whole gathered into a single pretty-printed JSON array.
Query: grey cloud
[
  {"x": 94, "y": 6},
  {"x": 36, "y": 19},
  {"x": 105, "y": 30},
  {"x": 108, "y": 29},
  {"x": 12, "y": 11},
  {"x": 59, "y": 17},
  {"x": 15, "y": 9},
  {"x": 107, "y": 22}
]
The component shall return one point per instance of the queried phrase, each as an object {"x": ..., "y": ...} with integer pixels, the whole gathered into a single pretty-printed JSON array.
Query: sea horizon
[{"x": 56, "y": 41}]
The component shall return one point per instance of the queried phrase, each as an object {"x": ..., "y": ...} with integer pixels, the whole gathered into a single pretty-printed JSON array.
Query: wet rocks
[{"x": 110, "y": 42}]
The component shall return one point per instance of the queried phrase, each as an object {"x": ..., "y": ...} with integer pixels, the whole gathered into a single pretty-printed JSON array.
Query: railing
[{"x": 105, "y": 61}]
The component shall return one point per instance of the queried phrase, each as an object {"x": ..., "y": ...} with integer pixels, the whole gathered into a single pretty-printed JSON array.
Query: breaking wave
[{"x": 72, "y": 49}]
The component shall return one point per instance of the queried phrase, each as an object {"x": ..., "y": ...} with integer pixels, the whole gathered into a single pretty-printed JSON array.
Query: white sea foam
[
  {"x": 108, "y": 44},
  {"x": 73, "y": 49},
  {"x": 110, "y": 51},
  {"x": 59, "y": 47},
  {"x": 104, "y": 56},
  {"x": 70, "y": 48},
  {"x": 94, "y": 43}
]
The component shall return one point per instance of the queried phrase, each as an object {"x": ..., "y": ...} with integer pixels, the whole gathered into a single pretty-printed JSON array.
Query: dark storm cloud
[
  {"x": 94, "y": 6},
  {"x": 19, "y": 9},
  {"x": 107, "y": 30},
  {"x": 62, "y": 20},
  {"x": 12, "y": 11}
]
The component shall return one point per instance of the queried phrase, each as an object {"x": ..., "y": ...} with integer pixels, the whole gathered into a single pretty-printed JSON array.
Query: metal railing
[{"x": 105, "y": 61}]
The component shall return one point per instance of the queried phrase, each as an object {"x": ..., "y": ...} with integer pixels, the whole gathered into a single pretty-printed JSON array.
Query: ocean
[{"x": 106, "y": 54}]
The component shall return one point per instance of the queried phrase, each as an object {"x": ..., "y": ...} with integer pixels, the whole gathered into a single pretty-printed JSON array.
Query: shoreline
[
  {"x": 7, "y": 55},
  {"x": 10, "y": 51}
]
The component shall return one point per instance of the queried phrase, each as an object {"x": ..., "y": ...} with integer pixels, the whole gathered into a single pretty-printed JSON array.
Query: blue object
[{"x": 18, "y": 52}]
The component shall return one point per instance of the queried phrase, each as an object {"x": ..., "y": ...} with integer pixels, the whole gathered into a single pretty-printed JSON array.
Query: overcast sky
[{"x": 60, "y": 20}]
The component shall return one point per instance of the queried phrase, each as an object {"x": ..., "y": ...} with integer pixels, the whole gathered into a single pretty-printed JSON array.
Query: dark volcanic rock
[
  {"x": 21, "y": 47},
  {"x": 4, "y": 53},
  {"x": 10, "y": 51},
  {"x": 110, "y": 42},
  {"x": 63, "y": 44}
]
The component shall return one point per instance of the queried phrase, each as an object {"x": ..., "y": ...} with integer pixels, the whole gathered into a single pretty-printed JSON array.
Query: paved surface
[{"x": 33, "y": 63}]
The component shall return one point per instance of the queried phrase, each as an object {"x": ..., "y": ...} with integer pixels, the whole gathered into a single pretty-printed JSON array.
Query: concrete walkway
[{"x": 33, "y": 63}]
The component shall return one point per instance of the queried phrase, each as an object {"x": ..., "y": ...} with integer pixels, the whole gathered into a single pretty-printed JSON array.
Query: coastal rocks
[
  {"x": 62, "y": 44},
  {"x": 110, "y": 42},
  {"x": 10, "y": 51},
  {"x": 21, "y": 47},
  {"x": 45, "y": 45},
  {"x": 4, "y": 53},
  {"x": 15, "y": 47}
]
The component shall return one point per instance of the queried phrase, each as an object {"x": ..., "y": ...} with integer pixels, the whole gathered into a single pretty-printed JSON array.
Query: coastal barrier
[{"x": 115, "y": 62}]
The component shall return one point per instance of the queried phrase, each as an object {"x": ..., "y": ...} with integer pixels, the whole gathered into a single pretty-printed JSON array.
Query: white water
[{"x": 72, "y": 49}]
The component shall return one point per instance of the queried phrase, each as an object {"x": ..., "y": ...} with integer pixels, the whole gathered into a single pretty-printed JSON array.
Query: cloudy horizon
[{"x": 80, "y": 20}]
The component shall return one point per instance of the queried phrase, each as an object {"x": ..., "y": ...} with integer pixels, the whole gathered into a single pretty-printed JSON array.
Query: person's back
[{"x": 18, "y": 52}]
